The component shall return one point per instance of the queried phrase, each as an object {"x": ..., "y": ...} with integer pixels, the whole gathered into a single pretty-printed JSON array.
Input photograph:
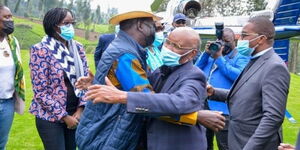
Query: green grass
[
  {"x": 100, "y": 28},
  {"x": 24, "y": 135},
  {"x": 293, "y": 105}
]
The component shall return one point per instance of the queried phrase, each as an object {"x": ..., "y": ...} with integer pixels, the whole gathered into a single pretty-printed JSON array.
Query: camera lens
[{"x": 214, "y": 47}]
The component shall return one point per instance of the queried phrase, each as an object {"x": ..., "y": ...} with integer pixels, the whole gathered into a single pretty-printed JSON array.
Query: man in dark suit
[
  {"x": 180, "y": 89},
  {"x": 257, "y": 99},
  {"x": 104, "y": 41}
]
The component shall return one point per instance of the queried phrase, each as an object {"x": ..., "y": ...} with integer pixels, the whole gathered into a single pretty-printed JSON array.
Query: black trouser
[
  {"x": 55, "y": 135},
  {"x": 221, "y": 136}
]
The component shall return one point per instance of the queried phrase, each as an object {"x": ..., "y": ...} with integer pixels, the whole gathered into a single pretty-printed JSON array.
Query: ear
[
  {"x": 263, "y": 40},
  {"x": 139, "y": 25},
  {"x": 193, "y": 54},
  {"x": 173, "y": 24},
  {"x": 188, "y": 57}
]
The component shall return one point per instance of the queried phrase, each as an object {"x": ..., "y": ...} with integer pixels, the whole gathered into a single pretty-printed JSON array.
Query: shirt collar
[{"x": 261, "y": 53}]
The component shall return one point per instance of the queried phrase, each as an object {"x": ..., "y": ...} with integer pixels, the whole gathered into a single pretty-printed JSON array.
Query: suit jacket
[
  {"x": 257, "y": 102},
  {"x": 104, "y": 41},
  {"x": 183, "y": 92}
]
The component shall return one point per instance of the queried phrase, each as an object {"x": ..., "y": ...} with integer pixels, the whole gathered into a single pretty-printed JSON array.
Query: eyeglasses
[
  {"x": 180, "y": 22},
  {"x": 177, "y": 46},
  {"x": 243, "y": 35},
  {"x": 69, "y": 23}
]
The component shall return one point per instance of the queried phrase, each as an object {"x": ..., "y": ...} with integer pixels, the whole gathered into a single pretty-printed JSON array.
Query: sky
[{"x": 122, "y": 5}]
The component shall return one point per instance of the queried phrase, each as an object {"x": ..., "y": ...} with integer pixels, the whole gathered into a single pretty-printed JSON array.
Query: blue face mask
[
  {"x": 159, "y": 38},
  {"x": 171, "y": 58},
  {"x": 243, "y": 47},
  {"x": 67, "y": 32}
]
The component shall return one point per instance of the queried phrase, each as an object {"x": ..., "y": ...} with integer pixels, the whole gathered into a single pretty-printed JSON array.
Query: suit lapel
[
  {"x": 245, "y": 76},
  {"x": 175, "y": 75}
]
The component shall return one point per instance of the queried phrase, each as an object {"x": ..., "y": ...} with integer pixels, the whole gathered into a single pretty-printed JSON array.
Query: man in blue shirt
[{"x": 221, "y": 70}]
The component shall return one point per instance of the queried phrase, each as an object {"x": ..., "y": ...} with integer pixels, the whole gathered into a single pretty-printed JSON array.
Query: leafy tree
[
  {"x": 98, "y": 14},
  {"x": 17, "y": 6}
]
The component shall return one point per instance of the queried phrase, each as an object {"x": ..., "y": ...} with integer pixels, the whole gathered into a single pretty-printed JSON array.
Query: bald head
[
  {"x": 184, "y": 41},
  {"x": 185, "y": 37}
]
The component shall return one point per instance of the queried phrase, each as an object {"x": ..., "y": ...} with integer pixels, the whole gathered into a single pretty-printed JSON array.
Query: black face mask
[
  {"x": 8, "y": 27},
  {"x": 150, "y": 38},
  {"x": 227, "y": 48}
]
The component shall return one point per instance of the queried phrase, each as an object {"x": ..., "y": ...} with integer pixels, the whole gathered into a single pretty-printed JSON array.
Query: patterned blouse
[{"x": 47, "y": 77}]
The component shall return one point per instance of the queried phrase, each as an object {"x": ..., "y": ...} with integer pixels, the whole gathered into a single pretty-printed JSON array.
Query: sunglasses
[
  {"x": 177, "y": 46},
  {"x": 180, "y": 22}
]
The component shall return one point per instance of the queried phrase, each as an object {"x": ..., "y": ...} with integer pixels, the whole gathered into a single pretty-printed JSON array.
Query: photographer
[{"x": 221, "y": 64}]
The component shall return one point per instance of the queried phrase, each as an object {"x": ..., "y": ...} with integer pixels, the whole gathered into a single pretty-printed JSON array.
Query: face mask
[
  {"x": 171, "y": 58},
  {"x": 243, "y": 47},
  {"x": 67, "y": 32},
  {"x": 8, "y": 27},
  {"x": 159, "y": 38},
  {"x": 150, "y": 38},
  {"x": 227, "y": 48}
]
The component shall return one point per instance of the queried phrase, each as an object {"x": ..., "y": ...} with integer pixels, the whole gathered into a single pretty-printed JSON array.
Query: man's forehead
[
  {"x": 182, "y": 38},
  {"x": 248, "y": 28}
]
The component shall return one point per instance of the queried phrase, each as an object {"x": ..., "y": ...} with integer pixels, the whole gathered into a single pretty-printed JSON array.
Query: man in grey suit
[
  {"x": 257, "y": 99},
  {"x": 180, "y": 89}
]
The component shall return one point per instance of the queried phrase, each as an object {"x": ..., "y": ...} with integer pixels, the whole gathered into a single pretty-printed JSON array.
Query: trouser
[
  {"x": 6, "y": 119},
  {"x": 221, "y": 136},
  {"x": 55, "y": 135}
]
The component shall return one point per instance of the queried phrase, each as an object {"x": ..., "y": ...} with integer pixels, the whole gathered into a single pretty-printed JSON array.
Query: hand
[
  {"x": 106, "y": 93},
  {"x": 78, "y": 113},
  {"x": 211, "y": 119},
  {"x": 218, "y": 53},
  {"x": 207, "y": 46},
  {"x": 70, "y": 121},
  {"x": 84, "y": 82},
  {"x": 283, "y": 146},
  {"x": 210, "y": 90}
]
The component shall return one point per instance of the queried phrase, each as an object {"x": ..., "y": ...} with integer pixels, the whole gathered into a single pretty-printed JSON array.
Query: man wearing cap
[{"x": 179, "y": 20}]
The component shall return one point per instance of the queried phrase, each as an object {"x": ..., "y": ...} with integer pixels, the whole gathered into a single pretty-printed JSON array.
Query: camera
[{"x": 217, "y": 45}]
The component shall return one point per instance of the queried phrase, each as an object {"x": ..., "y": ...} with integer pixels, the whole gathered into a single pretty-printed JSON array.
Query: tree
[
  {"x": 98, "y": 14},
  {"x": 17, "y": 6},
  {"x": 71, "y": 5}
]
